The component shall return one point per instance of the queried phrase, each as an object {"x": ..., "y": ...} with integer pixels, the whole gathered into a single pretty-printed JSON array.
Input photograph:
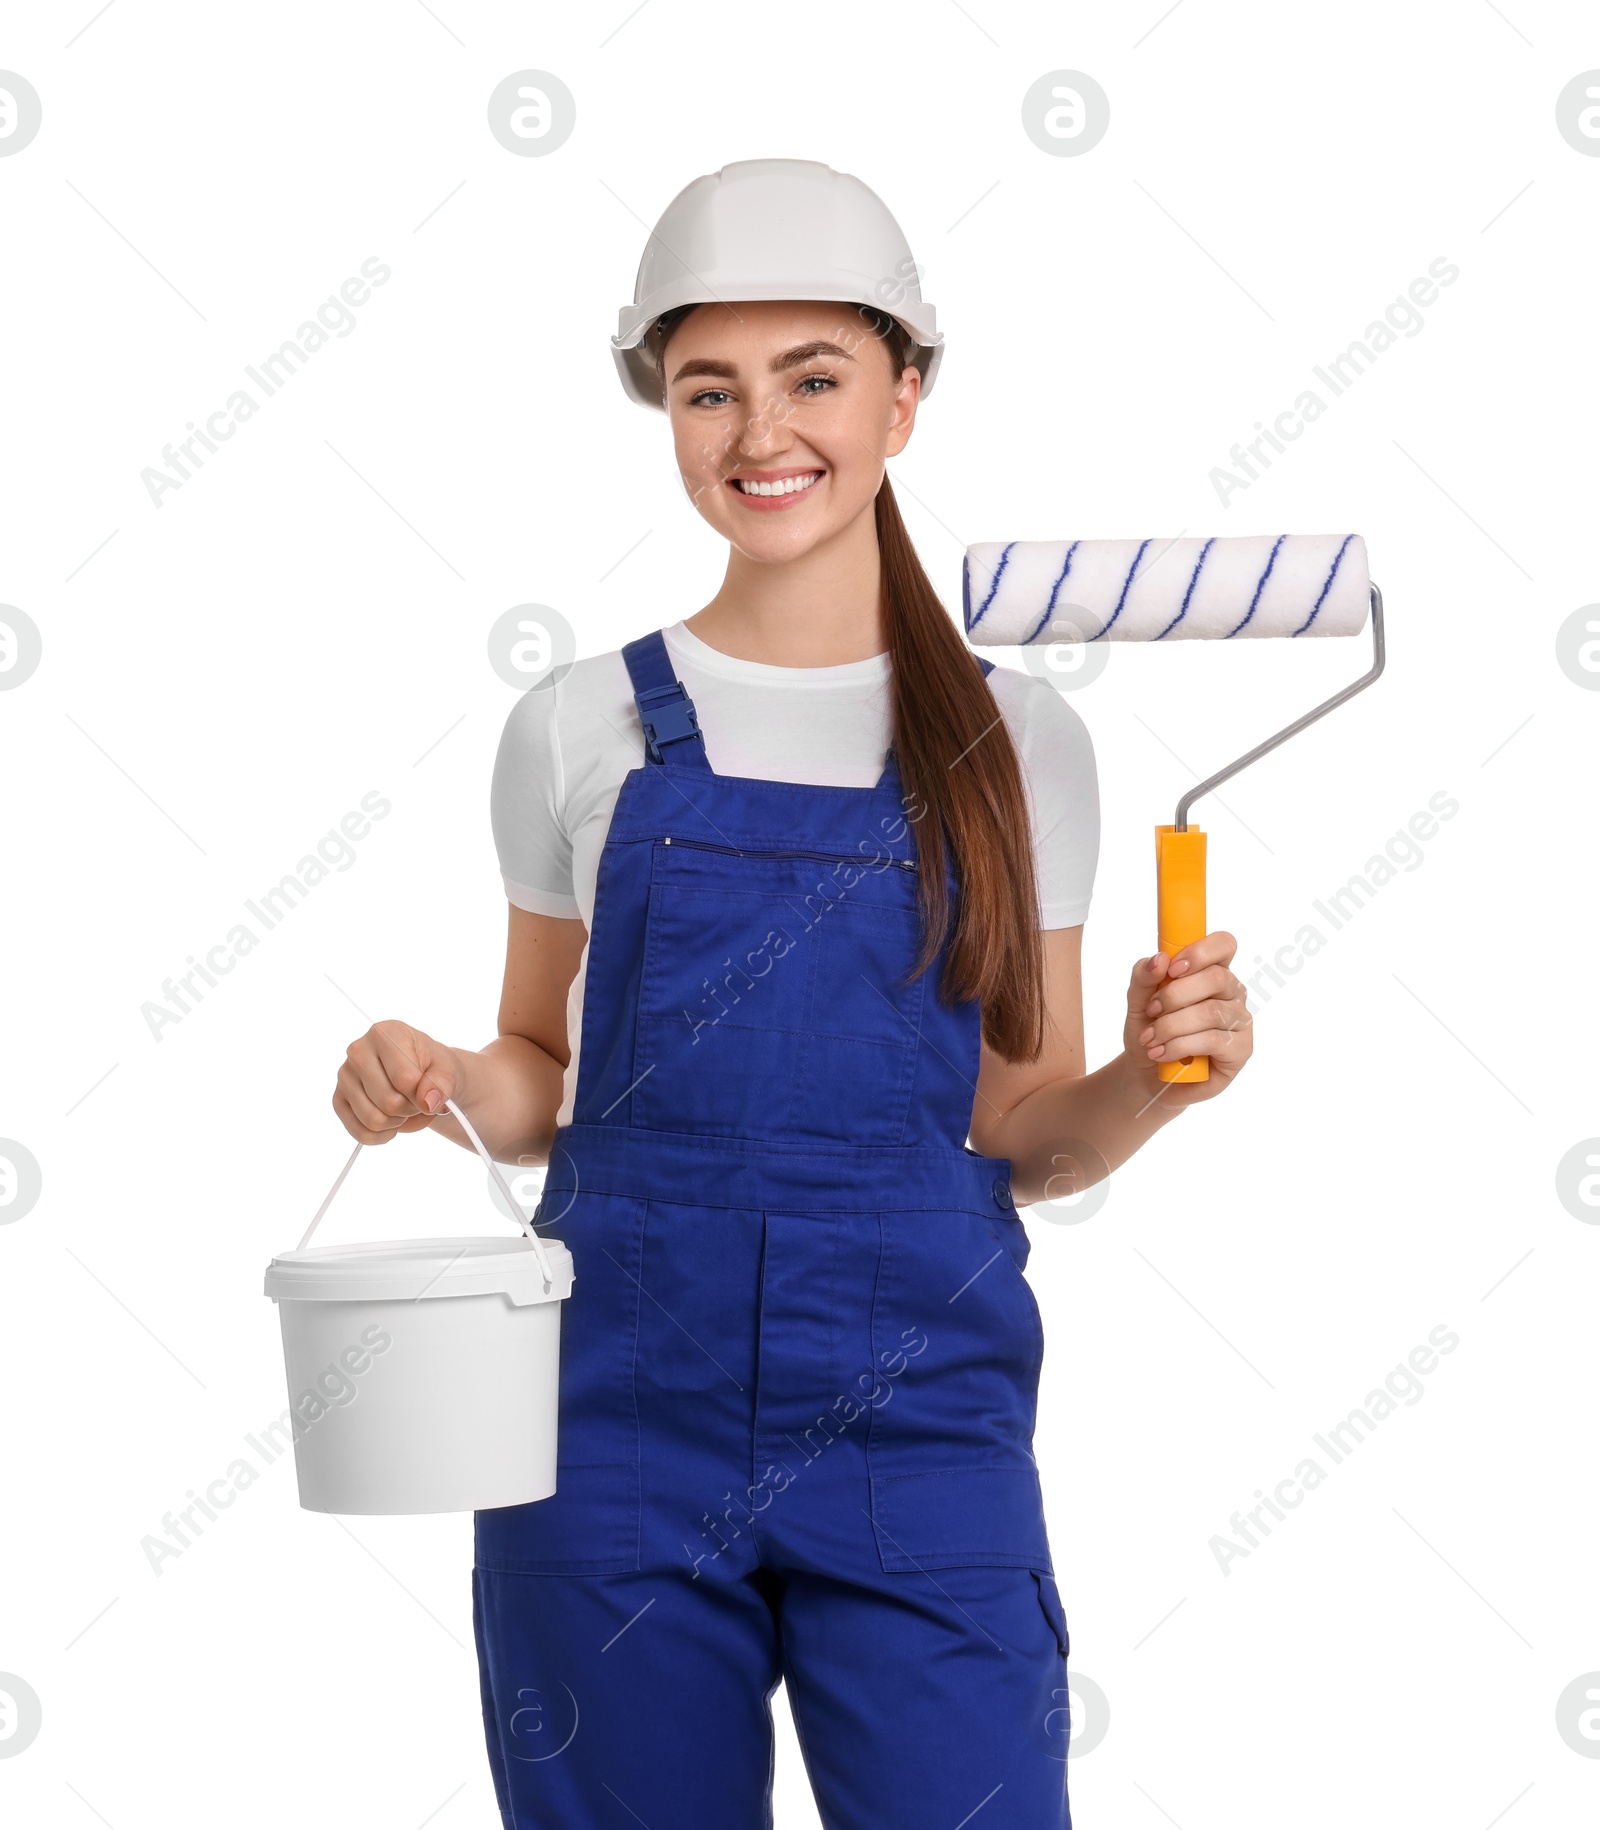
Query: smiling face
[{"x": 782, "y": 415}]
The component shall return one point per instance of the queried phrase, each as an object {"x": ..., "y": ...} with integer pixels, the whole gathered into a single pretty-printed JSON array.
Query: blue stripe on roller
[
  {"x": 1050, "y": 606},
  {"x": 1194, "y": 579},
  {"x": 1126, "y": 584},
  {"x": 1261, "y": 585},
  {"x": 994, "y": 585},
  {"x": 1327, "y": 586}
]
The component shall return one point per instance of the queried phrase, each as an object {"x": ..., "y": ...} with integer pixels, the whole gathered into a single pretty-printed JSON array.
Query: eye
[
  {"x": 696, "y": 399},
  {"x": 827, "y": 381}
]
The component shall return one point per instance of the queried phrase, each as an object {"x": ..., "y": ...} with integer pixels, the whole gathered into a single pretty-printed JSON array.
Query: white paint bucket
[{"x": 423, "y": 1373}]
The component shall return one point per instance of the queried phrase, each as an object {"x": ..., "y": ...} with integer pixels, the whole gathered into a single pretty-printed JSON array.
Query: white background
[{"x": 305, "y": 620}]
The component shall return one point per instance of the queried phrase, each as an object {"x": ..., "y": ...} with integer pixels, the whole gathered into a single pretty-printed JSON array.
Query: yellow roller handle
[{"x": 1181, "y": 917}]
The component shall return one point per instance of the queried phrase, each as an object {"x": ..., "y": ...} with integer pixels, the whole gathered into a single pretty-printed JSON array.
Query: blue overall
[{"x": 800, "y": 1361}]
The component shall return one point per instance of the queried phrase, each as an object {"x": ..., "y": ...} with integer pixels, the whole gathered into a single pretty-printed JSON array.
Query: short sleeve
[
  {"x": 525, "y": 808},
  {"x": 1058, "y": 762}
]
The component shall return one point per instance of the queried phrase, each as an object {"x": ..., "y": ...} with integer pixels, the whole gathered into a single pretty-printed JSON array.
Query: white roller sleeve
[{"x": 1021, "y": 591}]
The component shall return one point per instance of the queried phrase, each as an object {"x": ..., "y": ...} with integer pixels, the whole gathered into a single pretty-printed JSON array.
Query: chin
[{"x": 773, "y": 552}]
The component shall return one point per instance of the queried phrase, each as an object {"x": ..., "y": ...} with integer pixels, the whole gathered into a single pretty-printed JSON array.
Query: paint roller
[{"x": 1024, "y": 593}]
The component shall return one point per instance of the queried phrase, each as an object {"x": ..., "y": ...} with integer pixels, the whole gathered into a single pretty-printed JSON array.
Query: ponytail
[{"x": 963, "y": 787}]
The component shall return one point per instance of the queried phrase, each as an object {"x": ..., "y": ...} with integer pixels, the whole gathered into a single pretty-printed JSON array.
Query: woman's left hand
[{"x": 1194, "y": 1006}]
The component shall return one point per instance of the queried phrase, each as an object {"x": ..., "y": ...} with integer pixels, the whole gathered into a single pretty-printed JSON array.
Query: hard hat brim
[{"x": 638, "y": 372}]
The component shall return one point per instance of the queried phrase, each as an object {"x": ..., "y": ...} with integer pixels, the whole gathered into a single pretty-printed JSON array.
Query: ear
[{"x": 907, "y": 394}]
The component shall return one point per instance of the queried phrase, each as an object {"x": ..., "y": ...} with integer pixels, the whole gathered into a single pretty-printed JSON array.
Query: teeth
[{"x": 787, "y": 487}]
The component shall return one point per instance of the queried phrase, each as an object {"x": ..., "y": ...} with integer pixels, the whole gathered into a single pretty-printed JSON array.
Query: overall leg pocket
[
  {"x": 590, "y": 1524},
  {"x": 957, "y": 1348}
]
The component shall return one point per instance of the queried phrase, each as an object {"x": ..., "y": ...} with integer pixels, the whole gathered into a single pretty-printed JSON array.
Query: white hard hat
[{"x": 773, "y": 229}]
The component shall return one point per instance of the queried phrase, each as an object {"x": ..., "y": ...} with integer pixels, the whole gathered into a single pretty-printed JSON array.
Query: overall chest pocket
[{"x": 772, "y": 1002}]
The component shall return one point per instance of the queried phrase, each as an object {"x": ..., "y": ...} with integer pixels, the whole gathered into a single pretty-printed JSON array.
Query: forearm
[
  {"x": 1111, "y": 1111},
  {"x": 511, "y": 1090}
]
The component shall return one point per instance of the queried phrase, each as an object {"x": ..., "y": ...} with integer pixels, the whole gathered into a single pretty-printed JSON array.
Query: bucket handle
[{"x": 494, "y": 1170}]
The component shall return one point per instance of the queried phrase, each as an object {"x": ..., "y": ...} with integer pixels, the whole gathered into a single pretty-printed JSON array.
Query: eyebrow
[{"x": 793, "y": 358}]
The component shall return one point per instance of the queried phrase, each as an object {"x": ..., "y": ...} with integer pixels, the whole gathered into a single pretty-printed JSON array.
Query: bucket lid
[{"x": 407, "y": 1269}]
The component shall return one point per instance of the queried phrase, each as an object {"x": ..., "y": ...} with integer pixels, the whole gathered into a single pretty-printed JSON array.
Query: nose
[
  {"x": 763, "y": 433},
  {"x": 758, "y": 439}
]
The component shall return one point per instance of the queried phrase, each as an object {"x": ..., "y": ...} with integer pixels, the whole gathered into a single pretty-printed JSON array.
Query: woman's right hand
[{"x": 394, "y": 1079}]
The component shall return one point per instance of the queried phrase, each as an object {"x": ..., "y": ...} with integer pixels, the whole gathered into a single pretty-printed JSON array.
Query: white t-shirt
[{"x": 566, "y": 748}]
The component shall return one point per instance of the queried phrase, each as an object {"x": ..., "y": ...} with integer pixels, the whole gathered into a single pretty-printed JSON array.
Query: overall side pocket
[
  {"x": 590, "y": 1524},
  {"x": 950, "y": 1455}
]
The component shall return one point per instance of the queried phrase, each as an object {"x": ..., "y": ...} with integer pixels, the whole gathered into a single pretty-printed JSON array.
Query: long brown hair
[{"x": 960, "y": 773}]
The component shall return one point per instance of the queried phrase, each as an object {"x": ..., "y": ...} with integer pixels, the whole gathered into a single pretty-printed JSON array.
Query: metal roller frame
[{"x": 1180, "y": 822}]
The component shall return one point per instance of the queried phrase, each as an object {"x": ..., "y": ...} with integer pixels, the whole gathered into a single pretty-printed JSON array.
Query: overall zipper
[{"x": 823, "y": 857}]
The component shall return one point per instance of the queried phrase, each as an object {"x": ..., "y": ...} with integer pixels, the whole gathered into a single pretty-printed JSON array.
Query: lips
[{"x": 782, "y": 487}]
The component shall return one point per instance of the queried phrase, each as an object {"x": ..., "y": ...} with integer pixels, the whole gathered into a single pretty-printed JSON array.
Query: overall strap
[{"x": 665, "y": 710}]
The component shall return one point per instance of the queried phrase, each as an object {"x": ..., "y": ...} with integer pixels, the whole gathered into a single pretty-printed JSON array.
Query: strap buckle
[{"x": 668, "y": 716}]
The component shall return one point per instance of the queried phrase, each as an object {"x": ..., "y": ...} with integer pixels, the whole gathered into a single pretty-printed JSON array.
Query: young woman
[{"x": 797, "y": 889}]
